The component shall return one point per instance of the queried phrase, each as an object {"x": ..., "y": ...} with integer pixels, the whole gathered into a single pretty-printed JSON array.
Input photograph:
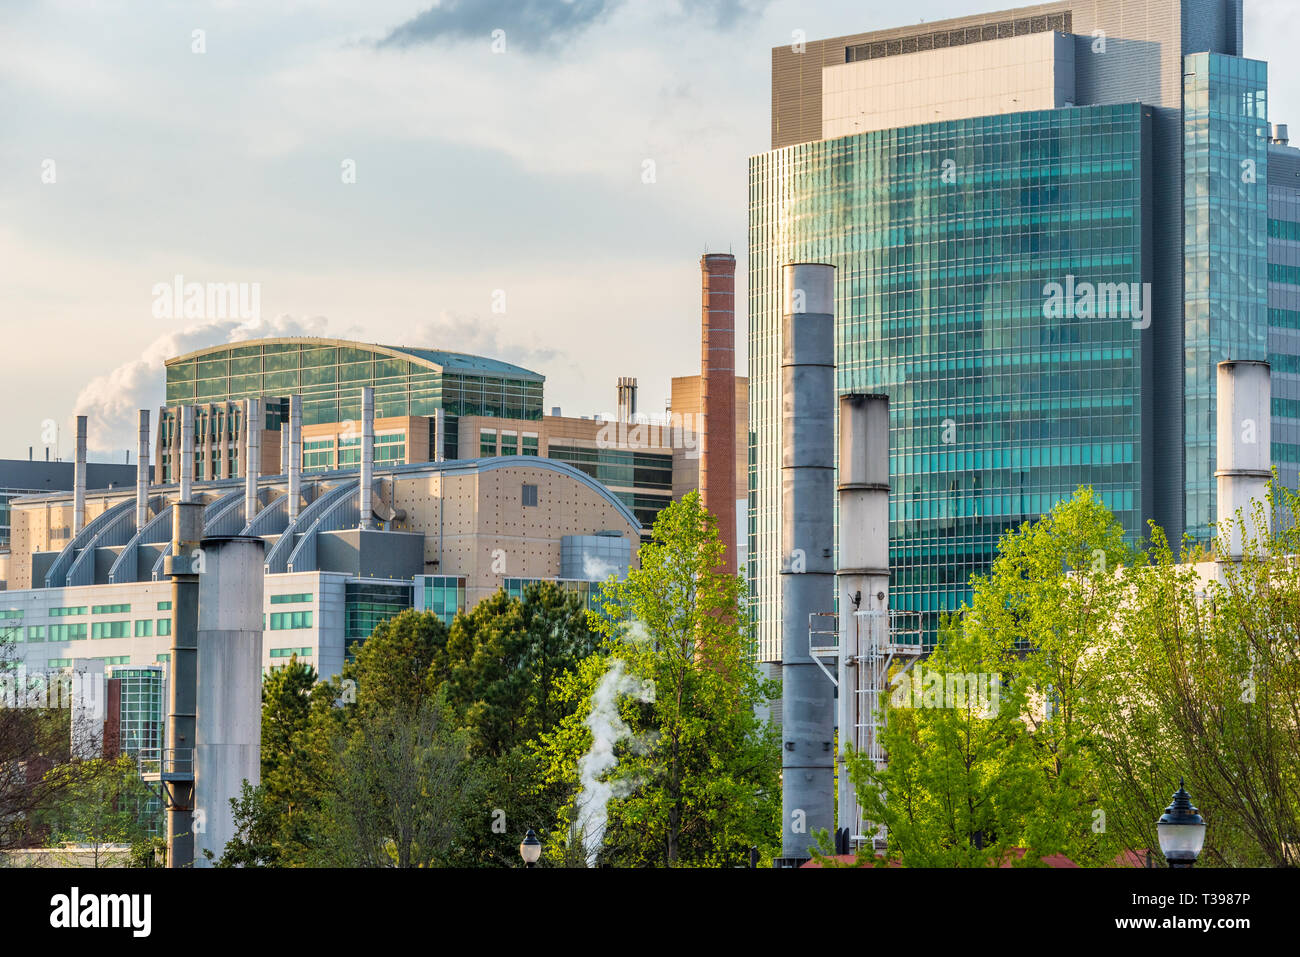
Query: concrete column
[
  {"x": 228, "y": 734},
  {"x": 1244, "y": 451},
  {"x": 807, "y": 541},
  {"x": 718, "y": 398}
]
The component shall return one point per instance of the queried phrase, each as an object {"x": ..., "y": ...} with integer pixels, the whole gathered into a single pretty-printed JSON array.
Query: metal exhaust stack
[
  {"x": 228, "y": 724},
  {"x": 183, "y": 565},
  {"x": 440, "y": 440},
  {"x": 253, "y": 447},
  {"x": 295, "y": 456},
  {"x": 807, "y": 537},
  {"x": 862, "y": 576},
  {"x": 187, "y": 453},
  {"x": 1244, "y": 450},
  {"x": 79, "y": 480},
  {"x": 626, "y": 398},
  {"x": 142, "y": 473},
  {"x": 367, "y": 455}
]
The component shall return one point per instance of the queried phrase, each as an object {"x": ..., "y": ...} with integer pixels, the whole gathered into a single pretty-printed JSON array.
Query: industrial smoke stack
[
  {"x": 1244, "y": 450},
  {"x": 807, "y": 536},
  {"x": 718, "y": 398},
  {"x": 295, "y": 456},
  {"x": 626, "y": 398},
  {"x": 142, "y": 473},
  {"x": 79, "y": 479},
  {"x": 253, "y": 456},
  {"x": 863, "y": 573},
  {"x": 440, "y": 443},
  {"x": 284, "y": 448},
  {"x": 183, "y": 566},
  {"x": 367, "y": 454},
  {"x": 228, "y": 726},
  {"x": 187, "y": 453}
]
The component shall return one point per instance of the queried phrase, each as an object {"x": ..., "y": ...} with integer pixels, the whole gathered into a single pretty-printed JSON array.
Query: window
[
  {"x": 288, "y": 620},
  {"x": 117, "y": 660},
  {"x": 162, "y": 658},
  {"x": 164, "y": 606},
  {"x": 35, "y": 632},
  {"x": 11, "y": 614},
  {"x": 62, "y": 612},
  {"x": 291, "y": 599},
  {"x": 110, "y": 609},
  {"x": 164, "y": 627},
  {"x": 110, "y": 629},
  {"x": 530, "y": 496},
  {"x": 487, "y": 442},
  {"x": 144, "y": 628},
  {"x": 67, "y": 632},
  {"x": 290, "y": 652},
  {"x": 509, "y": 443},
  {"x": 530, "y": 445},
  {"x": 59, "y": 663}
]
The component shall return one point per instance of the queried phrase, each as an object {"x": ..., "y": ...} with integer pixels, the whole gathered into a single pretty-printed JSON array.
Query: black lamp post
[
  {"x": 1181, "y": 830},
  {"x": 530, "y": 848}
]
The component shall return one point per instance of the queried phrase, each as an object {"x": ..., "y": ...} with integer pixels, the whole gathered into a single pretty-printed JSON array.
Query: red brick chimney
[{"x": 718, "y": 398}]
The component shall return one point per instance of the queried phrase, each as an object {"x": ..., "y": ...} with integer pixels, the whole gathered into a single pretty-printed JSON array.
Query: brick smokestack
[{"x": 718, "y": 398}]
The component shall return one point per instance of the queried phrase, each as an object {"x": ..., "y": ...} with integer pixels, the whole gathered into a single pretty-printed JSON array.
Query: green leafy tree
[
  {"x": 102, "y": 801},
  {"x": 697, "y": 781}
]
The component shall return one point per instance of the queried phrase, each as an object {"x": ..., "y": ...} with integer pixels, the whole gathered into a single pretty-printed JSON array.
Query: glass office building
[
  {"x": 965, "y": 253},
  {"x": 329, "y": 375},
  {"x": 1225, "y": 249}
]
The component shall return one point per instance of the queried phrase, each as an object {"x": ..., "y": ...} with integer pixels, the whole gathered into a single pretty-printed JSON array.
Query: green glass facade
[
  {"x": 366, "y": 604},
  {"x": 1226, "y": 269},
  {"x": 947, "y": 239},
  {"x": 329, "y": 375}
]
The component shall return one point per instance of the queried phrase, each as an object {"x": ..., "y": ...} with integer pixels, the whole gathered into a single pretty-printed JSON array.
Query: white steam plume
[
  {"x": 112, "y": 400},
  {"x": 607, "y": 729}
]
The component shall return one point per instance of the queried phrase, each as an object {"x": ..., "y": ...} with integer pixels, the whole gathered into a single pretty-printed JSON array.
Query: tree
[
  {"x": 101, "y": 802},
  {"x": 35, "y": 737},
  {"x": 504, "y": 661},
  {"x": 966, "y": 785},
  {"x": 697, "y": 779},
  {"x": 399, "y": 783}
]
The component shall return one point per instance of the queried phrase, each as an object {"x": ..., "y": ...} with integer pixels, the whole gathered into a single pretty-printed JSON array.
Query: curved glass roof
[{"x": 439, "y": 359}]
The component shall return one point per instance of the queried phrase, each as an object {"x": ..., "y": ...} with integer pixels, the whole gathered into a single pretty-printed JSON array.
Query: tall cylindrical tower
[
  {"x": 228, "y": 726},
  {"x": 807, "y": 540},
  {"x": 1244, "y": 449},
  {"x": 862, "y": 575}
]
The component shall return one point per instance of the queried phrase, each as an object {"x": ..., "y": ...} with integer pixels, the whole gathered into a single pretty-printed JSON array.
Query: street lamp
[
  {"x": 530, "y": 848},
  {"x": 1181, "y": 830}
]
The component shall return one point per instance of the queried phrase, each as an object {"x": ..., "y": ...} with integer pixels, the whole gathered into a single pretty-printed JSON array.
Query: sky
[{"x": 393, "y": 171}]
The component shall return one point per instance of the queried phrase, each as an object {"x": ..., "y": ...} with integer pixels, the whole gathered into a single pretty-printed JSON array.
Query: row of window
[
  {"x": 295, "y": 599},
  {"x": 290, "y": 652},
  {"x": 288, "y": 620},
  {"x": 144, "y": 628}
]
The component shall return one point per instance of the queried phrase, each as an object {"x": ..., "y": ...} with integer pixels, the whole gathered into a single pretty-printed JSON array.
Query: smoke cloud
[
  {"x": 607, "y": 730},
  {"x": 111, "y": 401},
  {"x": 539, "y": 24}
]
